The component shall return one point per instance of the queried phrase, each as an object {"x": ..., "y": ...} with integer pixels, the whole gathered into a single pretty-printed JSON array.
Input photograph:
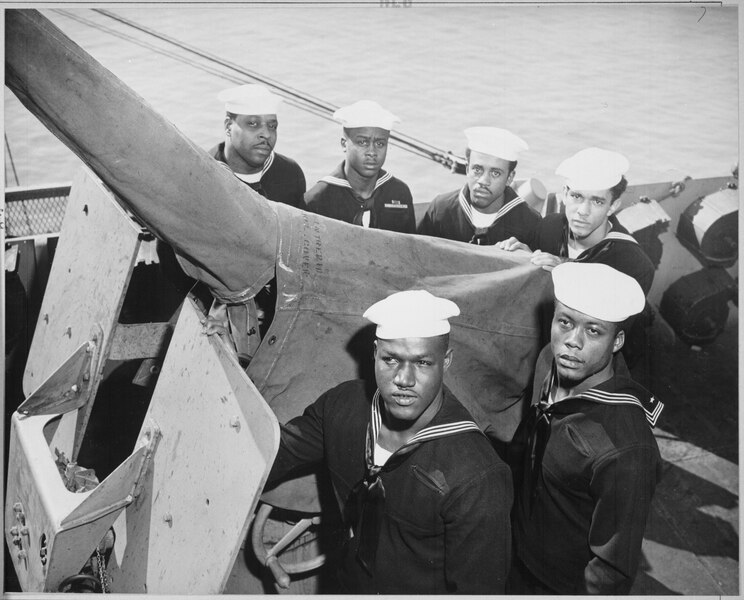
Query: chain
[{"x": 102, "y": 571}]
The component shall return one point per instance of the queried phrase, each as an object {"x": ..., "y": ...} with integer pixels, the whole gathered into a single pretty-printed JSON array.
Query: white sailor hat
[
  {"x": 593, "y": 169},
  {"x": 597, "y": 290},
  {"x": 495, "y": 142},
  {"x": 365, "y": 113},
  {"x": 414, "y": 313},
  {"x": 250, "y": 99}
]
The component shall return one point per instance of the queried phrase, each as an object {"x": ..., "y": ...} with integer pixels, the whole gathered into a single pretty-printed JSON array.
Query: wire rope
[
  {"x": 236, "y": 74},
  {"x": 12, "y": 162}
]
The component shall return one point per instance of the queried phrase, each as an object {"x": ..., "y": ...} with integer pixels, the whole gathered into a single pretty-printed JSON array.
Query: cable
[
  {"x": 10, "y": 156},
  {"x": 293, "y": 96}
]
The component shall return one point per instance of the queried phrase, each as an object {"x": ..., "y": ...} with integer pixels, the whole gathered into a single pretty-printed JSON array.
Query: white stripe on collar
[
  {"x": 256, "y": 177},
  {"x": 468, "y": 209},
  {"x": 616, "y": 235},
  {"x": 616, "y": 398},
  {"x": 427, "y": 433},
  {"x": 596, "y": 395},
  {"x": 330, "y": 179}
]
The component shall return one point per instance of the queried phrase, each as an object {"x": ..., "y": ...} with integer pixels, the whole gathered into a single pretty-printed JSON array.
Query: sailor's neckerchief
[
  {"x": 338, "y": 178},
  {"x": 618, "y": 389},
  {"x": 468, "y": 209},
  {"x": 369, "y": 494}
]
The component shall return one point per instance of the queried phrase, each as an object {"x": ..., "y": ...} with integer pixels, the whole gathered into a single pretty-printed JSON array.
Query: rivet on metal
[
  {"x": 168, "y": 519},
  {"x": 235, "y": 423}
]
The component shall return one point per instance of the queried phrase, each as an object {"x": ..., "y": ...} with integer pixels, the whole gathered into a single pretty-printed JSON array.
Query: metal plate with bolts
[
  {"x": 86, "y": 285},
  {"x": 218, "y": 442}
]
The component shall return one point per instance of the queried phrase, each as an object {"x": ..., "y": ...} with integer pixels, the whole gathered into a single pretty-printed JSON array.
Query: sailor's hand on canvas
[
  {"x": 546, "y": 260},
  {"x": 512, "y": 244}
]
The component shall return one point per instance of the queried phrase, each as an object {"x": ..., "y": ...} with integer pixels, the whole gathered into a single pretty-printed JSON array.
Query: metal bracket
[{"x": 68, "y": 388}]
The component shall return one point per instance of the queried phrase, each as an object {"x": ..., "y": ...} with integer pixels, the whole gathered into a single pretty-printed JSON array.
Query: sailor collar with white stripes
[
  {"x": 428, "y": 433},
  {"x": 600, "y": 393},
  {"x": 617, "y": 235},
  {"x": 468, "y": 209},
  {"x": 256, "y": 177},
  {"x": 610, "y": 235},
  {"x": 382, "y": 178}
]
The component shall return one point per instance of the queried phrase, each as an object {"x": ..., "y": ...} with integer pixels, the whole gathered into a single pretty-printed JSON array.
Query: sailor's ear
[
  {"x": 343, "y": 143},
  {"x": 511, "y": 177},
  {"x": 619, "y": 341},
  {"x": 448, "y": 358},
  {"x": 228, "y": 121},
  {"x": 614, "y": 205}
]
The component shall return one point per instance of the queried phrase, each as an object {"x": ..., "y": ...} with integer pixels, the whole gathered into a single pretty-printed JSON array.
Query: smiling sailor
[
  {"x": 251, "y": 125},
  {"x": 585, "y": 460},
  {"x": 420, "y": 486},
  {"x": 486, "y": 209},
  {"x": 359, "y": 190}
]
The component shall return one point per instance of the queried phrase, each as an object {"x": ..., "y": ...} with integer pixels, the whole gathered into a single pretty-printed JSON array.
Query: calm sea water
[{"x": 658, "y": 83}]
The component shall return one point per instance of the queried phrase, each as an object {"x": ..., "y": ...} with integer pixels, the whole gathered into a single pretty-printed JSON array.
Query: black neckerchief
[{"x": 367, "y": 499}]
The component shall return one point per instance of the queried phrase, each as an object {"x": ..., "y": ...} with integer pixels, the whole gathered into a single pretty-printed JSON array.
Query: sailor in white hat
[
  {"x": 486, "y": 209},
  {"x": 594, "y": 182},
  {"x": 591, "y": 300},
  {"x": 594, "y": 462},
  {"x": 251, "y": 124},
  {"x": 360, "y": 191},
  {"x": 587, "y": 230},
  {"x": 411, "y": 325},
  {"x": 408, "y": 452}
]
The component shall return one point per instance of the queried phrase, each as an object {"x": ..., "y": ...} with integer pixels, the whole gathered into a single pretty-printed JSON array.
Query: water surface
[{"x": 657, "y": 83}]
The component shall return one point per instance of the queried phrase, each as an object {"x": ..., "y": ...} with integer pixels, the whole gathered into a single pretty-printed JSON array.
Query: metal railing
[{"x": 35, "y": 210}]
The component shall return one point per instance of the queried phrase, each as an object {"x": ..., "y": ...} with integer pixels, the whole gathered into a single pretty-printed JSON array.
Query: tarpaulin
[{"x": 328, "y": 272}]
